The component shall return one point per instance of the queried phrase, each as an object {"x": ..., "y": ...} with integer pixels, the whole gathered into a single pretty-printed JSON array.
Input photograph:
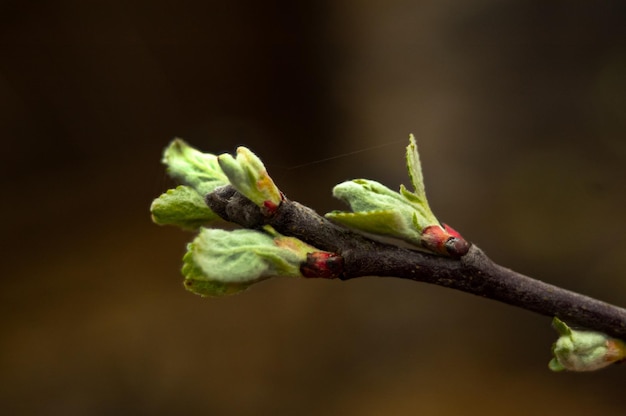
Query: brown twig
[{"x": 473, "y": 273}]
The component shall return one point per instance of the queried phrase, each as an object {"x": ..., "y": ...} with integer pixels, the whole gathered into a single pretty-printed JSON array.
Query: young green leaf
[
  {"x": 414, "y": 166},
  {"x": 376, "y": 210},
  {"x": 199, "y": 170},
  {"x": 220, "y": 262},
  {"x": 183, "y": 207}
]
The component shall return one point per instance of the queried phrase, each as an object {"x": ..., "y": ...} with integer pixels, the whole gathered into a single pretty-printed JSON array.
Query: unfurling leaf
[
  {"x": 220, "y": 262},
  {"x": 376, "y": 210},
  {"x": 405, "y": 215}
]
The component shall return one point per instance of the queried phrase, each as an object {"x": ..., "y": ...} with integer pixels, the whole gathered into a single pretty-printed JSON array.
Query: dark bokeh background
[{"x": 520, "y": 112}]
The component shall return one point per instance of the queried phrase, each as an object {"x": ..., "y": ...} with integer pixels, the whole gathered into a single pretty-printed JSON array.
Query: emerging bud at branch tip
[{"x": 247, "y": 174}]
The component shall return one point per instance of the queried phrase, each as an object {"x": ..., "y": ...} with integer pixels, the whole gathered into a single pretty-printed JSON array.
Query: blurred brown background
[{"x": 520, "y": 112}]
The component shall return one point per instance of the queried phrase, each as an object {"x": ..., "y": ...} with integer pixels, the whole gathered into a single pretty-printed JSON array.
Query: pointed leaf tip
[{"x": 414, "y": 166}]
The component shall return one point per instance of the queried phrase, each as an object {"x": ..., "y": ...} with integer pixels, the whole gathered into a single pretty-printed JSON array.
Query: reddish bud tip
[
  {"x": 322, "y": 264},
  {"x": 270, "y": 207},
  {"x": 444, "y": 240}
]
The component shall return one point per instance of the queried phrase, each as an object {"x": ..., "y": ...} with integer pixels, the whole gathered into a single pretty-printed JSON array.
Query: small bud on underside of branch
[{"x": 584, "y": 350}]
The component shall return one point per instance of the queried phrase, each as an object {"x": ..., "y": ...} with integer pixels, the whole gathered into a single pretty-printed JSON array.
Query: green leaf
[
  {"x": 199, "y": 170},
  {"x": 183, "y": 207},
  {"x": 386, "y": 223},
  {"x": 376, "y": 210},
  {"x": 425, "y": 216},
  {"x": 222, "y": 262},
  {"x": 197, "y": 282},
  {"x": 414, "y": 166},
  {"x": 555, "y": 365},
  {"x": 366, "y": 195},
  {"x": 561, "y": 327}
]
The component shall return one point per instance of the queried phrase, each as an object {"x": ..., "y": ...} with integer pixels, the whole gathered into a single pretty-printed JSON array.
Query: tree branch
[{"x": 473, "y": 273}]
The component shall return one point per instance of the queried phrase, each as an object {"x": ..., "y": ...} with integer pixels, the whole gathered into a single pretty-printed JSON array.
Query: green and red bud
[
  {"x": 577, "y": 350},
  {"x": 247, "y": 174},
  {"x": 270, "y": 207},
  {"x": 445, "y": 240},
  {"x": 220, "y": 262},
  {"x": 322, "y": 264},
  {"x": 403, "y": 215}
]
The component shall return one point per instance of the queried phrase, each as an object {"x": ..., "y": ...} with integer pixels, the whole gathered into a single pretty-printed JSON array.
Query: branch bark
[{"x": 473, "y": 273}]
